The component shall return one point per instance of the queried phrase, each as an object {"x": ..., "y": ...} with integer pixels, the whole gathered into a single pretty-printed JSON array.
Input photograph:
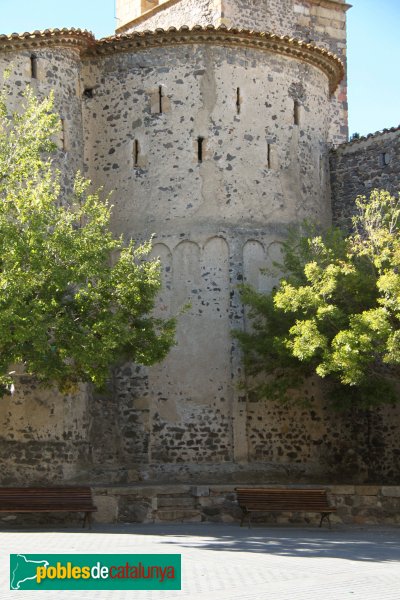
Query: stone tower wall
[
  {"x": 217, "y": 221},
  {"x": 253, "y": 155},
  {"x": 322, "y": 23},
  {"x": 216, "y": 217},
  {"x": 166, "y": 14}
]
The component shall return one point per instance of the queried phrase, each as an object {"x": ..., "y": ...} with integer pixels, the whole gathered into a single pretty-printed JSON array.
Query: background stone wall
[{"x": 361, "y": 166}]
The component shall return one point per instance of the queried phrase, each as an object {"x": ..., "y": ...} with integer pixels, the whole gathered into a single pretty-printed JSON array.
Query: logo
[{"x": 95, "y": 572}]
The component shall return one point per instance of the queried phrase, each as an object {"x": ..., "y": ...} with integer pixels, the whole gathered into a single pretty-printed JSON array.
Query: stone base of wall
[
  {"x": 355, "y": 504},
  {"x": 370, "y": 505}
]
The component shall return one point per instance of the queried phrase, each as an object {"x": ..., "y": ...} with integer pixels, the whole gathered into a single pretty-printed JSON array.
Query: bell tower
[{"x": 129, "y": 10}]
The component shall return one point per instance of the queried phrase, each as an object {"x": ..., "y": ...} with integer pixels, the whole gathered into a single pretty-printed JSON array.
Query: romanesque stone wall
[
  {"x": 44, "y": 437},
  {"x": 204, "y": 147},
  {"x": 57, "y": 70},
  {"x": 216, "y": 217},
  {"x": 311, "y": 441},
  {"x": 315, "y": 443},
  {"x": 256, "y": 167},
  {"x": 361, "y": 166},
  {"x": 321, "y": 23},
  {"x": 214, "y": 149}
]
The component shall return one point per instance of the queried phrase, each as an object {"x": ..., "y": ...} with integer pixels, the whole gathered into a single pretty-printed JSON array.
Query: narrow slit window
[
  {"x": 238, "y": 103},
  {"x": 200, "y": 149},
  {"x": 296, "y": 113},
  {"x": 62, "y": 135},
  {"x": 34, "y": 66},
  {"x": 160, "y": 99},
  {"x": 269, "y": 156},
  {"x": 136, "y": 153}
]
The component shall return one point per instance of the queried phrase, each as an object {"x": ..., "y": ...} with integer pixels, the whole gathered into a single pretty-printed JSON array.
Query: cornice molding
[
  {"x": 84, "y": 43},
  {"x": 78, "y": 39},
  {"x": 327, "y": 62}
]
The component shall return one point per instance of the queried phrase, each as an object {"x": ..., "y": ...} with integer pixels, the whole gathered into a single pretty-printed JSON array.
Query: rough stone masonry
[{"x": 213, "y": 123}]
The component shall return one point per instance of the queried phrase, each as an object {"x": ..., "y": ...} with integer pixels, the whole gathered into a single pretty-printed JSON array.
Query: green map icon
[{"x": 23, "y": 569}]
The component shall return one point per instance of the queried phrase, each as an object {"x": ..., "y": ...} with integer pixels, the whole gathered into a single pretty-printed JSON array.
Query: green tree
[
  {"x": 74, "y": 300},
  {"x": 335, "y": 313}
]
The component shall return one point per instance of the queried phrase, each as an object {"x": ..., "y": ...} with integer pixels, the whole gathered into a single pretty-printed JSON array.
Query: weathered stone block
[
  {"x": 342, "y": 490},
  {"x": 107, "y": 509},
  {"x": 200, "y": 490},
  {"x": 228, "y": 518},
  {"x": 391, "y": 491},
  {"x": 371, "y": 501},
  {"x": 184, "y": 516},
  {"x": 367, "y": 490},
  {"x": 211, "y": 510},
  {"x": 211, "y": 500},
  {"x": 219, "y": 489},
  {"x": 175, "y": 501},
  {"x": 134, "y": 510}
]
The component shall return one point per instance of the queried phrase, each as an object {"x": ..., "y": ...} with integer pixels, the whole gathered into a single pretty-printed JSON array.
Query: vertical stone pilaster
[{"x": 236, "y": 318}]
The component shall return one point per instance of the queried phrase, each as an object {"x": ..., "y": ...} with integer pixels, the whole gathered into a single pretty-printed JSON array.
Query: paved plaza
[{"x": 225, "y": 562}]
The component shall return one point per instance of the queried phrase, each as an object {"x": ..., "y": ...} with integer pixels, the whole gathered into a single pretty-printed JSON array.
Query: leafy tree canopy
[
  {"x": 74, "y": 300},
  {"x": 335, "y": 313}
]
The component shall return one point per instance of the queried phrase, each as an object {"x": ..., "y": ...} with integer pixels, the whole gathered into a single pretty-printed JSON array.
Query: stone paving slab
[{"x": 226, "y": 562}]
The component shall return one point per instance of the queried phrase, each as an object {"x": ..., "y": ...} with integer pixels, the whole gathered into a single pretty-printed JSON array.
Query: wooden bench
[
  {"x": 42, "y": 499},
  {"x": 284, "y": 500}
]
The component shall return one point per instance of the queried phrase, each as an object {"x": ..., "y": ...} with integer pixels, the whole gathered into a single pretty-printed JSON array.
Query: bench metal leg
[
  {"x": 243, "y": 517},
  {"x": 87, "y": 519},
  {"x": 247, "y": 514},
  {"x": 325, "y": 516}
]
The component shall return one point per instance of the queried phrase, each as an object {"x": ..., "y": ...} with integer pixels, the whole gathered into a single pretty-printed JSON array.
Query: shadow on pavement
[{"x": 375, "y": 544}]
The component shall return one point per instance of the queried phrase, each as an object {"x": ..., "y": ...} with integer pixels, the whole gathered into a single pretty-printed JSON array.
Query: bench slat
[
  {"x": 56, "y": 499},
  {"x": 284, "y": 500}
]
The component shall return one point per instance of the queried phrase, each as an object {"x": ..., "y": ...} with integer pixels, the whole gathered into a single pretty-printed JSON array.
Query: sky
[{"x": 373, "y": 48}]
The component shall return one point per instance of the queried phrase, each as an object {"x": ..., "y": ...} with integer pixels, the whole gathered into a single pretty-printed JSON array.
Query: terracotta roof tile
[
  {"x": 87, "y": 45},
  {"x": 368, "y": 136}
]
